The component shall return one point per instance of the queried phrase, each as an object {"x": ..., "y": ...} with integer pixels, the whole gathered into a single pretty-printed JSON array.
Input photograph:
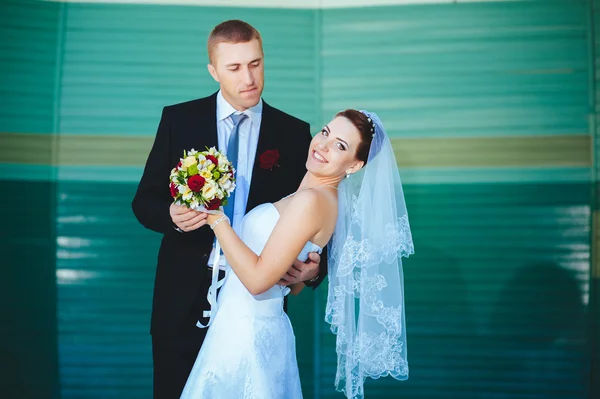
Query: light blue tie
[{"x": 232, "y": 155}]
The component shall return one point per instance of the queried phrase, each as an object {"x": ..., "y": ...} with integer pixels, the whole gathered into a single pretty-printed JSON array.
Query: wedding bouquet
[{"x": 202, "y": 180}]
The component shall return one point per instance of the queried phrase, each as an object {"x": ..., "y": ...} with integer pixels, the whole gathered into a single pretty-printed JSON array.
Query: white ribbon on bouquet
[{"x": 215, "y": 282}]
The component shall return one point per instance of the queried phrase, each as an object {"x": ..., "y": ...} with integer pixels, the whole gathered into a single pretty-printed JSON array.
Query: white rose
[
  {"x": 188, "y": 161},
  {"x": 225, "y": 182},
  {"x": 188, "y": 195},
  {"x": 209, "y": 190},
  {"x": 230, "y": 190}
]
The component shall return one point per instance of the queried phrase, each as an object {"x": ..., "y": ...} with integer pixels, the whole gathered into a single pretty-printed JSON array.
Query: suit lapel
[{"x": 266, "y": 140}]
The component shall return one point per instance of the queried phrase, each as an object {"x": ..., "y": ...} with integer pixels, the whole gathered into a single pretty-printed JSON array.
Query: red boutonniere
[{"x": 269, "y": 159}]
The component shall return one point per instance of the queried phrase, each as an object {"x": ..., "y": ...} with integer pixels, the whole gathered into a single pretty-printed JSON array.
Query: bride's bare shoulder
[{"x": 318, "y": 202}]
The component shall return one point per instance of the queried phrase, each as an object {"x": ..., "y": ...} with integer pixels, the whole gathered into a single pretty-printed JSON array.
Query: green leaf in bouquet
[
  {"x": 181, "y": 180},
  {"x": 193, "y": 170}
]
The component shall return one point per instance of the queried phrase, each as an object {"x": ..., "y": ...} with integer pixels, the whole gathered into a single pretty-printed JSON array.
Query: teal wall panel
[
  {"x": 28, "y": 291},
  {"x": 466, "y": 69},
  {"x": 123, "y": 63},
  {"x": 499, "y": 293},
  {"x": 28, "y": 61},
  {"x": 28, "y": 294},
  {"x": 496, "y": 294},
  {"x": 594, "y": 317},
  {"x": 105, "y": 273}
]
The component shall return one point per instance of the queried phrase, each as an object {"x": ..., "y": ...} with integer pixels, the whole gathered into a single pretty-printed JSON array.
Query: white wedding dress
[{"x": 249, "y": 351}]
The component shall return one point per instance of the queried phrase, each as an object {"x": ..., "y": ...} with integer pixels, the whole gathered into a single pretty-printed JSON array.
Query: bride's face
[{"x": 332, "y": 152}]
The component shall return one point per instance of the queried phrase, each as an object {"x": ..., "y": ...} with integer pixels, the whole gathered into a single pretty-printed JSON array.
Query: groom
[{"x": 271, "y": 152}]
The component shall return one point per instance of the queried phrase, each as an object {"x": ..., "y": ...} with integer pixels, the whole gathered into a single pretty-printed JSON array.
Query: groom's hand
[
  {"x": 187, "y": 219},
  {"x": 302, "y": 271}
]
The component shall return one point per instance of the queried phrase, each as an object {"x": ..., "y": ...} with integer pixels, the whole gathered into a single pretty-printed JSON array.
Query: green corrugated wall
[
  {"x": 488, "y": 104},
  {"x": 491, "y": 110},
  {"x": 28, "y": 289},
  {"x": 594, "y": 316}
]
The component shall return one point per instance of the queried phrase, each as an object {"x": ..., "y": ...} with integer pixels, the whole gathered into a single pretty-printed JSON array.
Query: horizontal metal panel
[
  {"x": 497, "y": 69},
  {"x": 28, "y": 65},
  {"x": 123, "y": 63}
]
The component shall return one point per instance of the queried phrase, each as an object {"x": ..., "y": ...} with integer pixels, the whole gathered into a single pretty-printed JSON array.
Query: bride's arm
[{"x": 301, "y": 220}]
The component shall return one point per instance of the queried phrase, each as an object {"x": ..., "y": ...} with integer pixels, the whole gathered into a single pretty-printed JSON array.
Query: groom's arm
[
  {"x": 309, "y": 273},
  {"x": 314, "y": 283},
  {"x": 153, "y": 199}
]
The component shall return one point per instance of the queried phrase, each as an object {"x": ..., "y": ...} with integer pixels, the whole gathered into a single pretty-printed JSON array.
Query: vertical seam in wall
[
  {"x": 595, "y": 266},
  {"x": 593, "y": 302},
  {"x": 54, "y": 147},
  {"x": 58, "y": 81},
  {"x": 316, "y": 293}
]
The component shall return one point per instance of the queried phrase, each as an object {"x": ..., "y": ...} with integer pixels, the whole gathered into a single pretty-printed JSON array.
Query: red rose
[
  {"x": 196, "y": 182},
  {"x": 174, "y": 190},
  {"x": 213, "y": 205},
  {"x": 269, "y": 159},
  {"x": 212, "y": 159}
]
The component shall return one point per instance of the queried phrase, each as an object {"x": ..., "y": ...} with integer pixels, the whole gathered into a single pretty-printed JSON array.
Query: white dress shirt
[{"x": 248, "y": 142}]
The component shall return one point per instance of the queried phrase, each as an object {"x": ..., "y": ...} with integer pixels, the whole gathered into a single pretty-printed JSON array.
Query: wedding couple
[{"x": 303, "y": 208}]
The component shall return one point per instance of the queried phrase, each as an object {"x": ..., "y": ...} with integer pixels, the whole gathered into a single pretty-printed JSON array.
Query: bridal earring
[{"x": 347, "y": 175}]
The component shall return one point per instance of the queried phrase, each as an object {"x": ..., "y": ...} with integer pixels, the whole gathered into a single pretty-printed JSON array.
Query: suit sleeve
[
  {"x": 153, "y": 199},
  {"x": 322, "y": 270}
]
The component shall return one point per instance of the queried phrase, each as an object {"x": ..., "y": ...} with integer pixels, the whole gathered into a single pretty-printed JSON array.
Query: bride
[{"x": 350, "y": 199}]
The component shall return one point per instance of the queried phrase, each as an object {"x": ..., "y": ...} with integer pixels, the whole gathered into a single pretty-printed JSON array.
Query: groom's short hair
[{"x": 232, "y": 31}]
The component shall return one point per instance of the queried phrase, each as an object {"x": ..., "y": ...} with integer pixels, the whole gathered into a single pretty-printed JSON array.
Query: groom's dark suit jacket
[{"x": 182, "y": 257}]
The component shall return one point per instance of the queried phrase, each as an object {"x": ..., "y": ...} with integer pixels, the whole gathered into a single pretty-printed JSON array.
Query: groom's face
[{"x": 239, "y": 69}]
